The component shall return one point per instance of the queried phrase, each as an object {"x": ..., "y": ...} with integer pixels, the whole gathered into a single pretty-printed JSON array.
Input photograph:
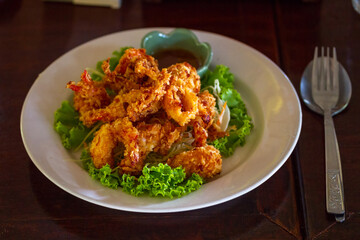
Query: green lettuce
[
  {"x": 160, "y": 180},
  {"x": 105, "y": 175},
  {"x": 69, "y": 127},
  {"x": 222, "y": 73},
  {"x": 238, "y": 112}
]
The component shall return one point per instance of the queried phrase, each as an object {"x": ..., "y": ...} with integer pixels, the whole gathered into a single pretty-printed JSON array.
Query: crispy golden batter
[
  {"x": 107, "y": 114},
  {"x": 170, "y": 133},
  {"x": 139, "y": 84},
  {"x": 88, "y": 94},
  {"x": 129, "y": 135},
  {"x": 108, "y": 137},
  {"x": 139, "y": 141},
  {"x": 136, "y": 65},
  {"x": 117, "y": 82},
  {"x": 206, "y": 109},
  {"x": 204, "y": 119},
  {"x": 152, "y": 137},
  {"x": 135, "y": 69},
  {"x": 150, "y": 112},
  {"x": 205, "y": 161},
  {"x": 180, "y": 100},
  {"x": 147, "y": 100},
  {"x": 136, "y": 104},
  {"x": 102, "y": 146}
]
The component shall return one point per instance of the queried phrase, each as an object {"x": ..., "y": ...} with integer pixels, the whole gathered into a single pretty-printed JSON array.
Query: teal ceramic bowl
[{"x": 179, "y": 39}]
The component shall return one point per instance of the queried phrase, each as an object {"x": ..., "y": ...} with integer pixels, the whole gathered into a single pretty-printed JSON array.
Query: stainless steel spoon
[
  {"x": 344, "y": 98},
  {"x": 344, "y": 85}
]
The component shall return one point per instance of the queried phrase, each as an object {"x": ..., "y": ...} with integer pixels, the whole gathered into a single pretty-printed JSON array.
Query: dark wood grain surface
[{"x": 290, "y": 205}]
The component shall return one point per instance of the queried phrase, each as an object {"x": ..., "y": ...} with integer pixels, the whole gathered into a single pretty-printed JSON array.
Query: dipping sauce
[{"x": 168, "y": 57}]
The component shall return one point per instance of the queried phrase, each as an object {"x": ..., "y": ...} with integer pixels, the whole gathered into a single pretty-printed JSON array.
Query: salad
[{"x": 151, "y": 131}]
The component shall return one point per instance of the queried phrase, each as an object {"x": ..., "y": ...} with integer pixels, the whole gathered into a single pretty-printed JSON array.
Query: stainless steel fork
[{"x": 325, "y": 93}]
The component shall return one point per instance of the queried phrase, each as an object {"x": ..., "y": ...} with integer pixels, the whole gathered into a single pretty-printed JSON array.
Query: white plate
[{"x": 270, "y": 97}]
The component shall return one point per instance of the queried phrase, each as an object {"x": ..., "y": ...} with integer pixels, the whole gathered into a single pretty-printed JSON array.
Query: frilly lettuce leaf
[
  {"x": 161, "y": 180},
  {"x": 105, "y": 175},
  {"x": 222, "y": 73},
  {"x": 238, "y": 112},
  {"x": 227, "y": 145},
  {"x": 69, "y": 127}
]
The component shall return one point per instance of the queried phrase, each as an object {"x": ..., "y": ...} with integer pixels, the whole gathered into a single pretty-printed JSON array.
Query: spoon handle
[{"x": 334, "y": 182}]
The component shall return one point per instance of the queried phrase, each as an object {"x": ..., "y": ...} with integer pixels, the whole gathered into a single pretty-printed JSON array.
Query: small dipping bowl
[{"x": 180, "y": 45}]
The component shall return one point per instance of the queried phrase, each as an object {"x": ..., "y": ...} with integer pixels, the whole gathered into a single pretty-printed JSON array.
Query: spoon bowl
[{"x": 344, "y": 86}]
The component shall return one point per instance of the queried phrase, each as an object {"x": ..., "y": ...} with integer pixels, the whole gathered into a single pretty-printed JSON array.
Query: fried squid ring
[
  {"x": 181, "y": 101},
  {"x": 148, "y": 99}
]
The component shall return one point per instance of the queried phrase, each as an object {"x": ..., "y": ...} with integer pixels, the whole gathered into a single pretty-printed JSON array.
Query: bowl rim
[{"x": 191, "y": 35}]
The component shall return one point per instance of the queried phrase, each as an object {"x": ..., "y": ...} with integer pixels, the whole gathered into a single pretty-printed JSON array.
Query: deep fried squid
[
  {"x": 169, "y": 134},
  {"x": 180, "y": 100},
  {"x": 148, "y": 99},
  {"x": 88, "y": 95},
  {"x": 152, "y": 110},
  {"x": 136, "y": 104},
  {"x": 135, "y": 69},
  {"x": 139, "y": 84},
  {"x": 136, "y": 65},
  {"x": 204, "y": 119},
  {"x": 108, "y": 137},
  {"x": 138, "y": 141},
  {"x": 205, "y": 161}
]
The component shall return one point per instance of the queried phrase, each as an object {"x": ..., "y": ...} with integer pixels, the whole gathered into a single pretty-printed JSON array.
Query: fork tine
[
  {"x": 314, "y": 76},
  {"x": 323, "y": 71},
  {"x": 325, "y": 78},
  {"x": 322, "y": 78},
  {"x": 336, "y": 71},
  {"x": 327, "y": 69}
]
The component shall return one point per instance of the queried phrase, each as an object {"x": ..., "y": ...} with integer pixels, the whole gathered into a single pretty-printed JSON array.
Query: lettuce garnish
[
  {"x": 239, "y": 118},
  {"x": 105, "y": 175},
  {"x": 160, "y": 180},
  {"x": 69, "y": 127}
]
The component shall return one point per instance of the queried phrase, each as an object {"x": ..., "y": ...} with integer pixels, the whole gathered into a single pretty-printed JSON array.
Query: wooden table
[{"x": 290, "y": 205}]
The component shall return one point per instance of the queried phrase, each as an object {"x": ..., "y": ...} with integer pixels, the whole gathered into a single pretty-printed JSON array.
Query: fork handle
[{"x": 334, "y": 182}]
